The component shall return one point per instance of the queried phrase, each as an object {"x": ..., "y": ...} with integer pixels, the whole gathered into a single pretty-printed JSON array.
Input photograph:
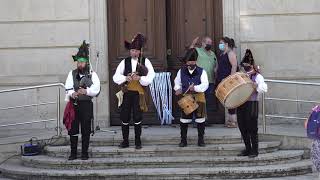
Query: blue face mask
[{"x": 221, "y": 46}]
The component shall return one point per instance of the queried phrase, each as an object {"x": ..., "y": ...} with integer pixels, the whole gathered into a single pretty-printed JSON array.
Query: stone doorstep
[
  {"x": 15, "y": 169},
  {"x": 164, "y": 140},
  {"x": 278, "y": 157},
  {"x": 156, "y": 150}
]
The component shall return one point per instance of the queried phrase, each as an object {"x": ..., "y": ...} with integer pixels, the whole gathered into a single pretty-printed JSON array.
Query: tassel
[
  {"x": 142, "y": 103},
  {"x": 201, "y": 111}
]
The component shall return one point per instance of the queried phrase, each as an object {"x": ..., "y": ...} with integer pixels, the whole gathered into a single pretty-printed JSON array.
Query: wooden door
[
  {"x": 187, "y": 19},
  {"x": 170, "y": 27},
  {"x": 125, "y": 19}
]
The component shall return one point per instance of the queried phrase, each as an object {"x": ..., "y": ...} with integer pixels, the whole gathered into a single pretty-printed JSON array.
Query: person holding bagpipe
[
  {"x": 133, "y": 74},
  {"x": 82, "y": 85}
]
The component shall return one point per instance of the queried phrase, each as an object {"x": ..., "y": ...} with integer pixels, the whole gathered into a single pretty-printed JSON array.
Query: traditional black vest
[
  {"x": 128, "y": 65},
  {"x": 83, "y": 82},
  {"x": 187, "y": 79}
]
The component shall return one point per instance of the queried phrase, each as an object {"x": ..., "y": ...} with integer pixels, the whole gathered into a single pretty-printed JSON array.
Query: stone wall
[
  {"x": 284, "y": 38},
  {"x": 37, "y": 40}
]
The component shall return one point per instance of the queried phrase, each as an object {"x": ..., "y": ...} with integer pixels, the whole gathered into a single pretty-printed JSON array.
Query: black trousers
[
  {"x": 83, "y": 118},
  {"x": 247, "y": 115},
  {"x": 232, "y": 111},
  {"x": 130, "y": 105}
]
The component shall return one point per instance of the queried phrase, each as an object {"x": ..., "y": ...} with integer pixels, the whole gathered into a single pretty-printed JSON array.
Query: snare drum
[{"x": 188, "y": 104}]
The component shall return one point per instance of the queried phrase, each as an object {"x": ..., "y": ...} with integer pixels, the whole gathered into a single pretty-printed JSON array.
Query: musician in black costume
[
  {"x": 133, "y": 74},
  {"x": 82, "y": 85},
  {"x": 192, "y": 80},
  {"x": 248, "y": 112}
]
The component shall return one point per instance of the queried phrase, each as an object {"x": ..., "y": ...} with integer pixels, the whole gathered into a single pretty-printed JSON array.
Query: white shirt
[
  {"x": 198, "y": 88},
  {"x": 262, "y": 86},
  {"x": 119, "y": 78},
  {"x": 92, "y": 91}
]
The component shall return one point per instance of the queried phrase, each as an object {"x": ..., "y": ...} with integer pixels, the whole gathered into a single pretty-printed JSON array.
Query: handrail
[
  {"x": 264, "y": 115},
  {"x": 292, "y": 82},
  {"x": 29, "y": 105},
  {"x": 32, "y": 87},
  {"x": 58, "y": 102}
]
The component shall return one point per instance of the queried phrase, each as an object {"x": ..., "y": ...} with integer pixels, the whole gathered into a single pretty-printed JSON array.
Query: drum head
[{"x": 238, "y": 96}]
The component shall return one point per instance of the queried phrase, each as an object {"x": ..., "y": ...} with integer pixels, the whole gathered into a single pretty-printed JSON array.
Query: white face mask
[{"x": 221, "y": 46}]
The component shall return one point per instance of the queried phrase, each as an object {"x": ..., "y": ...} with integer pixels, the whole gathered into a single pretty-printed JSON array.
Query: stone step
[
  {"x": 15, "y": 169},
  {"x": 164, "y": 150},
  {"x": 163, "y": 140},
  {"x": 104, "y": 140},
  {"x": 310, "y": 176},
  {"x": 3, "y": 178},
  {"x": 278, "y": 157}
]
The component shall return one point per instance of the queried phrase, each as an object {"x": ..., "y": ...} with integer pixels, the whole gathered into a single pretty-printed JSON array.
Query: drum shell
[
  {"x": 188, "y": 104},
  {"x": 231, "y": 85}
]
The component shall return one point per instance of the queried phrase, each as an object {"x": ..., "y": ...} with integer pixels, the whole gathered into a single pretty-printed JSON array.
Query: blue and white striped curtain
[{"x": 161, "y": 93}]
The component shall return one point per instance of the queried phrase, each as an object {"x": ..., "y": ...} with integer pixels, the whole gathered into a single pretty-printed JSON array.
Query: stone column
[
  {"x": 98, "y": 44},
  {"x": 231, "y": 26},
  {"x": 231, "y": 21}
]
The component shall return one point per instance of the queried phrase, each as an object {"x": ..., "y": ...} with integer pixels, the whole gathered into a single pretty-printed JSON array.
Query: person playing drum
[
  {"x": 192, "y": 80},
  {"x": 248, "y": 112}
]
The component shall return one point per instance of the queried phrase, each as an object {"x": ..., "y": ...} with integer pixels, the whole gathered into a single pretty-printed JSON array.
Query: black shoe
[
  {"x": 72, "y": 157},
  {"x": 138, "y": 146},
  {"x": 84, "y": 157},
  {"x": 253, "y": 154},
  {"x": 138, "y": 143},
  {"x": 183, "y": 144},
  {"x": 201, "y": 143},
  {"x": 244, "y": 153},
  {"x": 124, "y": 144}
]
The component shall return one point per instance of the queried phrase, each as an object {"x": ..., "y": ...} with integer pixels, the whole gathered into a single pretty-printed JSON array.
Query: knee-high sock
[{"x": 137, "y": 134}]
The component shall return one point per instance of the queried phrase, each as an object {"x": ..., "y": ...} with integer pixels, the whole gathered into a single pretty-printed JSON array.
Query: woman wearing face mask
[
  {"x": 192, "y": 80},
  {"x": 226, "y": 65},
  {"x": 248, "y": 112}
]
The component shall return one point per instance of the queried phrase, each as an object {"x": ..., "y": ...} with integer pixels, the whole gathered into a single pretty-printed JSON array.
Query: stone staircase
[{"x": 161, "y": 158}]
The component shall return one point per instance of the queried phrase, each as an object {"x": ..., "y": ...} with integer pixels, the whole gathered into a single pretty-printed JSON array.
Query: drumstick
[{"x": 188, "y": 89}]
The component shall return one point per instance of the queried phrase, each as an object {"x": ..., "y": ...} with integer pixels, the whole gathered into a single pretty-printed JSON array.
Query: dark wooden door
[
  {"x": 170, "y": 26},
  {"x": 125, "y": 19},
  {"x": 187, "y": 19}
]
